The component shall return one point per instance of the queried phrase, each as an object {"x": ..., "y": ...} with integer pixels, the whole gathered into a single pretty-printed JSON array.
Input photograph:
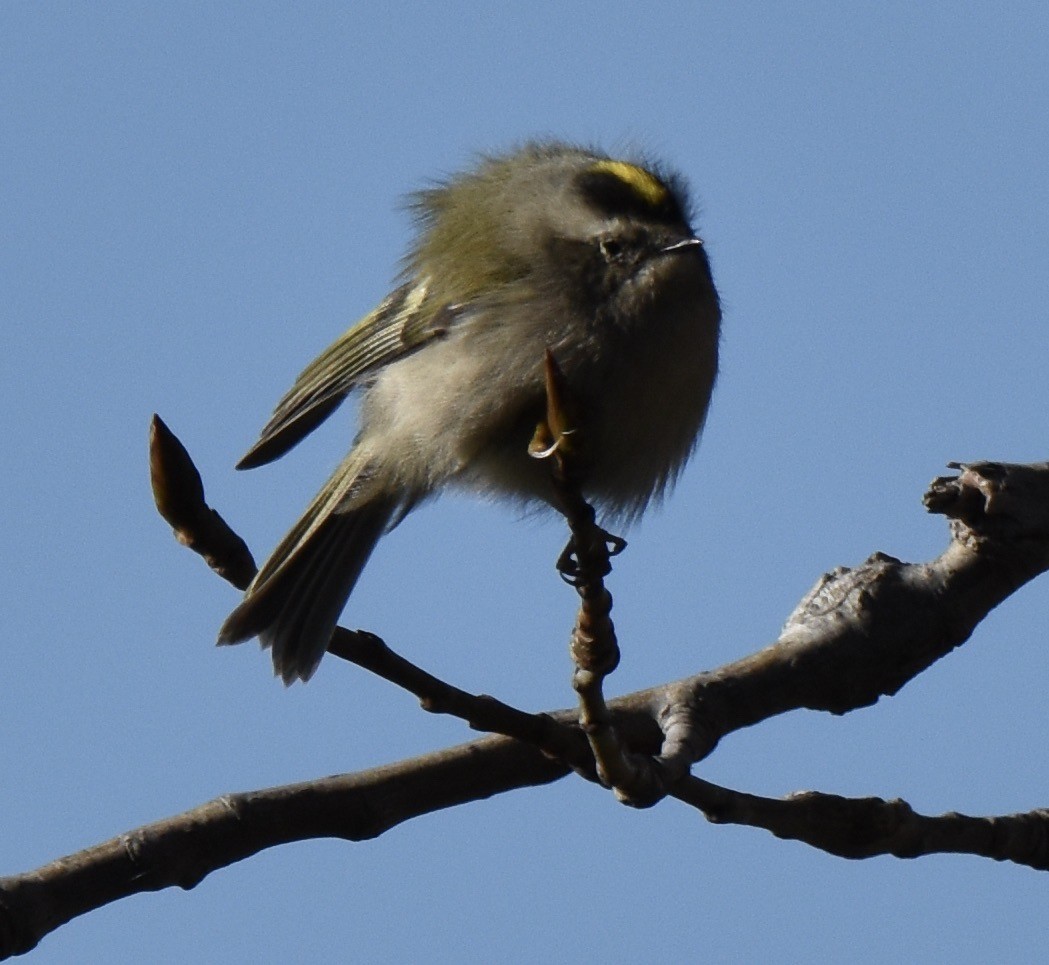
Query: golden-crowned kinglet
[{"x": 548, "y": 247}]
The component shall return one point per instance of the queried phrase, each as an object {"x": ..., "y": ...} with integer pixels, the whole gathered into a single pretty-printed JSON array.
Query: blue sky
[{"x": 198, "y": 197}]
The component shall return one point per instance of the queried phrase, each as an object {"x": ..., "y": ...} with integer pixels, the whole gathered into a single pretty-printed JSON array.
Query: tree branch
[
  {"x": 182, "y": 850},
  {"x": 858, "y": 634},
  {"x": 867, "y": 827}
]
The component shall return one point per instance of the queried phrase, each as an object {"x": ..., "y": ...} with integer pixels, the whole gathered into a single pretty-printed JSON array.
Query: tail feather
[{"x": 294, "y": 602}]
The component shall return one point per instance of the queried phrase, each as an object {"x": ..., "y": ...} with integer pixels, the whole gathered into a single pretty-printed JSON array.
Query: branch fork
[{"x": 859, "y": 634}]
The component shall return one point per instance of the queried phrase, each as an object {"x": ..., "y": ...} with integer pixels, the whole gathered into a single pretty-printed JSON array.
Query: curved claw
[{"x": 568, "y": 562}]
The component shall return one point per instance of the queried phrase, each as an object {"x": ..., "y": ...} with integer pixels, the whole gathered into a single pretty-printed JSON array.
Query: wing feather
[{"x": 399, "y": 326}]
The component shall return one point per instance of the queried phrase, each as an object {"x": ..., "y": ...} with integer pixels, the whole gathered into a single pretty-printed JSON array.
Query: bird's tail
[{"x": 294, "y": 602}]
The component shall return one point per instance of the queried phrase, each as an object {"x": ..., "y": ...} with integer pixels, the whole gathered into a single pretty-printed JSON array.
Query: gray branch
[{"x": 857, "y": 635}]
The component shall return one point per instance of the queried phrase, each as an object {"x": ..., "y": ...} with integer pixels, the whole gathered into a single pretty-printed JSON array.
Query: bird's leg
[{"x": 556, "y": 438}]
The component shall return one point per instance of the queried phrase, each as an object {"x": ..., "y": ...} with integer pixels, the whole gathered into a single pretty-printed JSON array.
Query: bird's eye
[{"x": 611, "y": 249}]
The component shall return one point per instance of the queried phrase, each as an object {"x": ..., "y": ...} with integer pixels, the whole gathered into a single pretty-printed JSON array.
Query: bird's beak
[{"x": 682, "y": 245}]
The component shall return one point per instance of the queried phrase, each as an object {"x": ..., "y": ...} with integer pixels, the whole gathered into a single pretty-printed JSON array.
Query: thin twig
[{"x": 594, "y": 648}]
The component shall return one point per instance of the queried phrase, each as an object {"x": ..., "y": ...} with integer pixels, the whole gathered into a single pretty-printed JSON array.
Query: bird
[{"x": 550, "y": 247}]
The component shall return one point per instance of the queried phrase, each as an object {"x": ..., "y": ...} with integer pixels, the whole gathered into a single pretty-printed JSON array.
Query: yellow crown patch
[{"x": 647, "y": 187}]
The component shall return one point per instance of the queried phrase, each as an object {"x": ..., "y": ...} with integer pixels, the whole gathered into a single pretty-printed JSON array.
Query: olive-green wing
[{"x": 400, "y": 325}]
